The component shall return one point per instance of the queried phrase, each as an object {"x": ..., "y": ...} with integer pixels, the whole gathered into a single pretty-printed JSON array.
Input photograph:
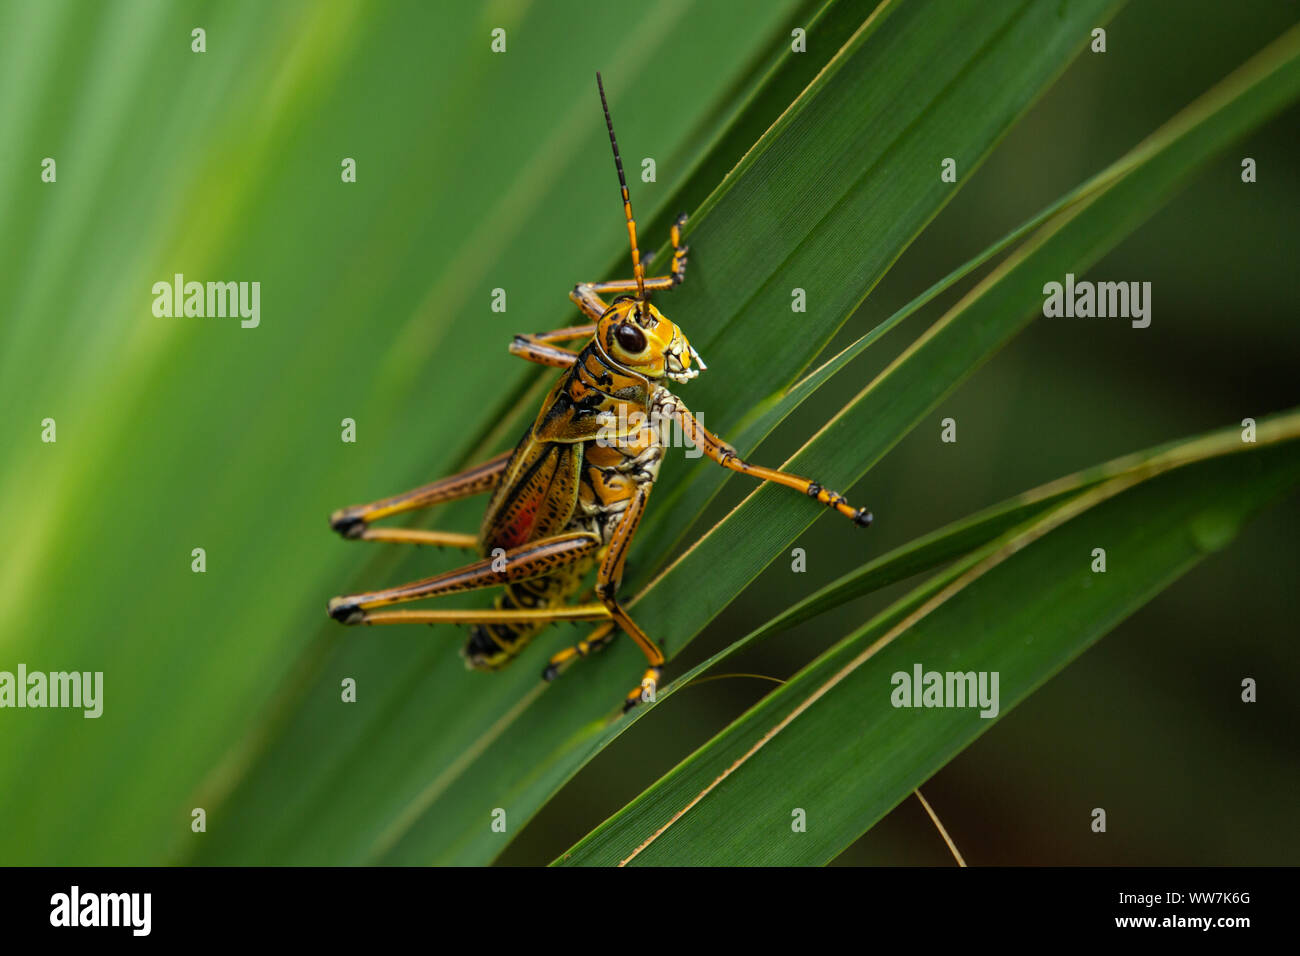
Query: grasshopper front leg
[
  {"x": 587, "y": 295},
  {"x": 726, "y": 456}
]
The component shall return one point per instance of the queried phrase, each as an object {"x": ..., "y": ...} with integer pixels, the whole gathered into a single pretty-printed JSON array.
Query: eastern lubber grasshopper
[{"x": 567, "y": 497}]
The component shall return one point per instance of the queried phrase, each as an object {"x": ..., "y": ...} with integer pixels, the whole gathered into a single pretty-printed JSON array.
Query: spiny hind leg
[
  {"x": 572, "y": 613},
  {"x": 518, "y": 564},
  {"x": 354, "y": 521}
]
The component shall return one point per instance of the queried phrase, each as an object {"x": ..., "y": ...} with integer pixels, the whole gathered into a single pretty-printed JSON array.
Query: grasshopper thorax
[{"x": 635, "y": 335}]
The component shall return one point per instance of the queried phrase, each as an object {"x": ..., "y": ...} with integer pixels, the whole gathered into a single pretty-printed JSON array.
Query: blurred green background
[{"x": 478, "y": 171}]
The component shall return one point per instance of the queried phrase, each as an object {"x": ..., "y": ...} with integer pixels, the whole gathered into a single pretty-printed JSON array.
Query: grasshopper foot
[
  {"x": 645, "y": 693},
  {"x": 345, "y": 611},
  {"x": 348, "y": 525}
]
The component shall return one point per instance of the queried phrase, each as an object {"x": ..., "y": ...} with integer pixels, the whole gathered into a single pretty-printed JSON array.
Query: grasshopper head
[{"x": 636, "y": 335}]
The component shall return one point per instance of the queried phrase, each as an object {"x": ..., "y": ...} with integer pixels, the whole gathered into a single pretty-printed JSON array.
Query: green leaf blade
[{"x": 831, "y": 741}]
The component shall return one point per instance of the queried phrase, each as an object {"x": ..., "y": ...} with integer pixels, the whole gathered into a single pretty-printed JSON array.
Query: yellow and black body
[{"x": 594, "y": 446}]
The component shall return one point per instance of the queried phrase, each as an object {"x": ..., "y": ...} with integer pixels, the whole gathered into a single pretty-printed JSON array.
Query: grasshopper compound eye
[{"x": 630, "y": 338}]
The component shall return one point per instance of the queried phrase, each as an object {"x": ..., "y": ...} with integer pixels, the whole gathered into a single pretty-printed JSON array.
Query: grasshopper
[{"x": 571, "y": 493}]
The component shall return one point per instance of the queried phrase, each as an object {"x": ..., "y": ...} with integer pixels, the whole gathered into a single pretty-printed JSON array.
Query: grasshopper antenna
[{"x": 638, "y": 270}]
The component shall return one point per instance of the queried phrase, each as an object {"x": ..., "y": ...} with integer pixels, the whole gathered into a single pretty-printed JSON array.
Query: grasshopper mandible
[{"x": 567, "y": 497}]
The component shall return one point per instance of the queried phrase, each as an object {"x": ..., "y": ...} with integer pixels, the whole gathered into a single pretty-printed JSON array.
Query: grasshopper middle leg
[{"x": 608, "y": 579}]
